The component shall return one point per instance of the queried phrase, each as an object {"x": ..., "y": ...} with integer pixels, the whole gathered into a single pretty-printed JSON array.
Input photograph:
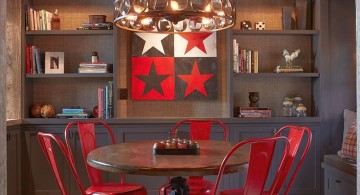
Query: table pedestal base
[{"x": 178, "y": 186}]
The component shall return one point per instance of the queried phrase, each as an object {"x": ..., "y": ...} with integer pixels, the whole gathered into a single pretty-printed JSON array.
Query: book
[
  {"x": 280, "y": 69},
  {"x": 62, "y": 115},
  {"x": 73, "y": 110},
  {"x": 27, "y": 59},
  {"x": 111, "y": 112},
  {"x": 253, "y": 112},
  {"x": 100, "y": 24},
  {"x": 100, "y": 102},
  {"x": 94, "y": 28}
]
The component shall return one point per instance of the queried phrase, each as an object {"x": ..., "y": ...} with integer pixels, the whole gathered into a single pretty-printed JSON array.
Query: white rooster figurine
[{"x": 290, "y": 57}]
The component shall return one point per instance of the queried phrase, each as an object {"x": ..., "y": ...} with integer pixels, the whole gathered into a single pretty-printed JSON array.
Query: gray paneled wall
[
  {"x": 3, "y": 178},
  {"x": 358, "y": 85}
]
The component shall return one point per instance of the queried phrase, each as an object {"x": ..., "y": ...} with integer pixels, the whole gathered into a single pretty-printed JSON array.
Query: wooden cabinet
[
  {"x": 306, "y": 182},
  {"x": 71, "y": 88},
  {"x": 13, "y": 144},
  {"x": 339, "y": 176}
]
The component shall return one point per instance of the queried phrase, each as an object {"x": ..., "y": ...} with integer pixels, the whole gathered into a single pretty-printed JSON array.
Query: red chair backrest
[
  {"x": 200, "y": 129},
  {"x": 260, "y": 159},
  {"x": 45, "y": 141},
  {"x": 87, "y": 136},
  {"x": 295, "y": 137}
]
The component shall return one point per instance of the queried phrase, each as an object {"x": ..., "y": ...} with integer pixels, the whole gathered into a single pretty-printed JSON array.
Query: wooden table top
[{"x": 137, "y": 158}]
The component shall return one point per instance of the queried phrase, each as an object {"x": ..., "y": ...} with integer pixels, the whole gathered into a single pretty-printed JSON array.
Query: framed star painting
[{"x": 174, "y": 66}]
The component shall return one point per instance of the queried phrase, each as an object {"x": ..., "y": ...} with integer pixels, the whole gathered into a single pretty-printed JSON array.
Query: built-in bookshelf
[
  {"x": 114, "y": 47},
  {"x": 71, "y": 88}
]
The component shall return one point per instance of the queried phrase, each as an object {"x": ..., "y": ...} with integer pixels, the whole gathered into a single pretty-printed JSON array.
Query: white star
[{"x": 152, "y": 40}]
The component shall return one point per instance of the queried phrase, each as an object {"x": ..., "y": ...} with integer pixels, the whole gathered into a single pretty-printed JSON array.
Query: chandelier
[{"x": 174, "y": 16}]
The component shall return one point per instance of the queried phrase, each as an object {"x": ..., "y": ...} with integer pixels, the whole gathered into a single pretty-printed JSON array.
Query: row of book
[
  {"x": 96, "y": 26},
  {"x": 33, "y": 60},
  {"x": 255, "y": 112},
  {"x": 106, "y": 101},
  {"x": 37, "y": 20},
  {"x": 244, "y": 61},
  {"x": 95, "y": 67}
]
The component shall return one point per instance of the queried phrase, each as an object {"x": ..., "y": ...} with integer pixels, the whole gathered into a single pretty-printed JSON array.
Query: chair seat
[
  {"x": 196, "y": 187},
  {"x": 117, "y": 188}
]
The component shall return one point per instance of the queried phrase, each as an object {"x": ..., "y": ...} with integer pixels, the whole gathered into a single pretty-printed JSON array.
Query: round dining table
[{"x": 137, "y": 158}]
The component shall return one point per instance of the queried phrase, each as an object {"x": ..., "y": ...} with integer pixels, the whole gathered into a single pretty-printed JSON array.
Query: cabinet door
[
  {"x": 38, "y": 176},
  {"x": 334, "y": 185},
  {"x": 13, "y": 162}
]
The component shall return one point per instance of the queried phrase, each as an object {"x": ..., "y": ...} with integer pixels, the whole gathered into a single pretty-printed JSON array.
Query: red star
[
  {"x": 195, "y": 40},
  {"x": 195, "y": 81}
]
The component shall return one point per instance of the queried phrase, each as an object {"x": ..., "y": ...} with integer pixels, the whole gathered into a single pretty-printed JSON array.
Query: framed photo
[{"x": 54, "y": 62}]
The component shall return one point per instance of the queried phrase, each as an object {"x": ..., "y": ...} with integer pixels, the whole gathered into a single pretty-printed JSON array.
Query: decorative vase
[
  {"x": 253, "y": 98},
  {"x": 301, "y": 12}
]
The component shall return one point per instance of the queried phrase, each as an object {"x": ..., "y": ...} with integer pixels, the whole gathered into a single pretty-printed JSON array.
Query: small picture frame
[{"x": 54, "y": 62}]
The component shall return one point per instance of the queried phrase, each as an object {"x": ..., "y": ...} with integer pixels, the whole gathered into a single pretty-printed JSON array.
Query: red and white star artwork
[
  {"x": 195, "y": 81},
  {"x": 195, "y": 45}
]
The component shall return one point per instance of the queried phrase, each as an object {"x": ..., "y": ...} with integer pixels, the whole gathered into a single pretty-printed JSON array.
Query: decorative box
[
  {"x": 245, "y": 25},
  {"x": 97, "y": 18},
  {"x": 260, "y": 25}
]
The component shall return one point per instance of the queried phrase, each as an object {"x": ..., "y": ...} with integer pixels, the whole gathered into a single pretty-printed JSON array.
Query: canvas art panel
[{"x": 54, "y": 62}]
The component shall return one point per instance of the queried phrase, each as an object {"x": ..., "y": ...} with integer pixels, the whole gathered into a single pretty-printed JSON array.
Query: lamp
[{"x": 174, "y": 16}]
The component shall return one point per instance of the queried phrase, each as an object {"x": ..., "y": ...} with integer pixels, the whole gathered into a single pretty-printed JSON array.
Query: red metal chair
[
  {"x": 199, "y": 130},
  {"x": 86, "y": 132},
  {"x": 45, "y": 140},
  {"x": 260, "y": 160},
  {"x": 295, "y": 137}
]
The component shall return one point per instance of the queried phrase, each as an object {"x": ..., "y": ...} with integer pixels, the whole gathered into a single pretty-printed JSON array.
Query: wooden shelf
[
  {"x": 275, "y": 32},
  {"x": 69, "y": 32},
  {"x": 69, "y": 75},
  {"x": 127, "y": 121},
  {"x": 276, "y": 75}
]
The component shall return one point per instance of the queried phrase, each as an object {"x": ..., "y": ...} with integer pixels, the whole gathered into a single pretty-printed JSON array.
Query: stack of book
[
  {"x": 244, "y": 61},
  {"x": 96, "y": 26},
  {"x": 106, "y": 101},
  {"x": 95, "y": 67},
  {"x": 37, "y": 20},
  {"x": 33, "y": 60},
  {"x": 253, "y": 112},
  {"x": 73, "y": 113}
]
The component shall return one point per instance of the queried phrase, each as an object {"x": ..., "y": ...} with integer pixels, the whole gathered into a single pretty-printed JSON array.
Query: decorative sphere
[
  {"x": 47, "y": 111},
  {"x": 35, "y": 111},
  {"x": 96, "y": 112}
]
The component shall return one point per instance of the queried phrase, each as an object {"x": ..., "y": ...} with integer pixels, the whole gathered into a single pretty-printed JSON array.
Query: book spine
[
  {"x": 38, "y": 64},
  {"x": 256, "y": 61},
  {"x": 27, "y": 56},
  {"x": 27, "y": 27},
  {"x": 31, "y": 18},
  {"x": 106, "y": 101},
  {"x": 111, "y": 99},
  {"x": 235, "y": 56},
  {"x": 99, "y": 102}
]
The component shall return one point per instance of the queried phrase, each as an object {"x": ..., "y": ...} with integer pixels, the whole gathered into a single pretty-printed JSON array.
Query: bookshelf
[
  {"x": 71, "y": 88},
  {"x": 114, "y": 47}
]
